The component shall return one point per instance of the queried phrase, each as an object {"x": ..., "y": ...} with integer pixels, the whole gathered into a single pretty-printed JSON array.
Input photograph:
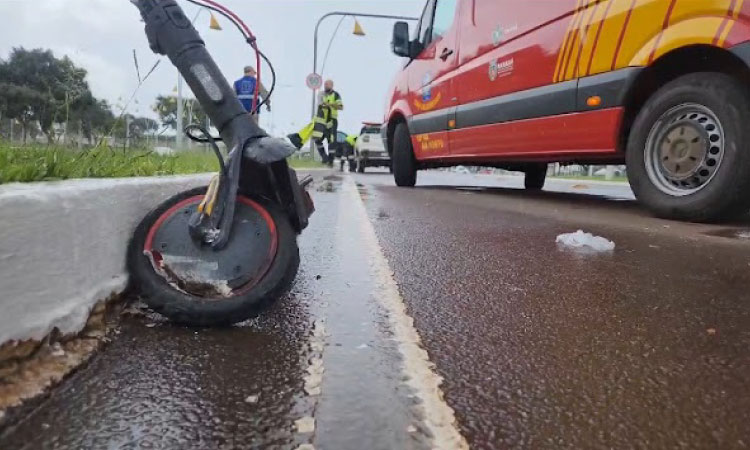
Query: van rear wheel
[
  {"x": 688, "y": 155},
  {"x": 536, "y": 175},
  {"x": 404, "y": 163}
]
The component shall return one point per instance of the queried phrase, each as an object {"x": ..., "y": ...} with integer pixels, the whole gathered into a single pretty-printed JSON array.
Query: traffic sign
[{"x": 314, "y": 81}]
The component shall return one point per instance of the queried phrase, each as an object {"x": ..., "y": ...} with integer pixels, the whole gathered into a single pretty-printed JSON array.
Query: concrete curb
[{"x": 63, "y": 247}]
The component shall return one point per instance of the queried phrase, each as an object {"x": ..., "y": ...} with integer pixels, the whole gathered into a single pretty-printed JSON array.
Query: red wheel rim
[{"x": 156, "y": 255}]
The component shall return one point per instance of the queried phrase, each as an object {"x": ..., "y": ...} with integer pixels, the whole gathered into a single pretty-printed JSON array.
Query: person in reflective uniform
[{"x": 245, "y": 90}]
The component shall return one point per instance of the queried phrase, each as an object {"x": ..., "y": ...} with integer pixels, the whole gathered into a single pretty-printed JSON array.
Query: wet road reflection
[
  {"x": 542, "y": 348},
  {"x": 539, "y": 347}
]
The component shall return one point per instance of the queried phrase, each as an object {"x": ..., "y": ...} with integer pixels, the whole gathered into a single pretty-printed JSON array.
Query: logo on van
[
  {"x": 428, "y": 105},
  {"x": 428, "y": 100},
  {"x": 500, "y": 68}
]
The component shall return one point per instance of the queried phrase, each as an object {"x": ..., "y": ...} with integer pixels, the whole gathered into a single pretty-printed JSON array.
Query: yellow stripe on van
[
  {"x": 730, "y": 24},
  {"x": 590, "y": 40},
  {"x": 571, "y": 56},
  {"x": 580, "y": 40},
  {"x": 610, "y": 36},
  {"x": 701, "y": 30},
  {"x": 566, "y": 41},
  {"x": 646, "y": 21}
]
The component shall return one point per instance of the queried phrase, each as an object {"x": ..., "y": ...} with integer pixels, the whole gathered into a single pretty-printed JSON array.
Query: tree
[
  {"x": 166, "y": 108},
  {"x": 140, "y": 127},
  {"x": 49, "y": 88},
  {"x": 94, "y": 117},
  {"x": 144, "y": 126},
  {"x": 19, "y": 103}
]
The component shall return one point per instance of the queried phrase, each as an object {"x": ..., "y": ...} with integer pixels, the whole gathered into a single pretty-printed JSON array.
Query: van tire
[
  {"x": 536, "y": 175},
  {"x": 722, "y": 193},
  {"x": 404, "y": 163}
]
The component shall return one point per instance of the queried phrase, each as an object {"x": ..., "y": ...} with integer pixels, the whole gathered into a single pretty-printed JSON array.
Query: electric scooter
[{"x": 219, "y": 254}]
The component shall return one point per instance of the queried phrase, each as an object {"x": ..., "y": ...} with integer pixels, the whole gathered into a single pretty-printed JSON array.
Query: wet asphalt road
[{"x": 538, "y": 347}]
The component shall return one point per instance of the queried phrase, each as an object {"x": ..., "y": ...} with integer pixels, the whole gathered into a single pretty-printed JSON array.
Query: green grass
[
  {"x": 30, "y": 164},
  {"x": 588, "y": 178}
]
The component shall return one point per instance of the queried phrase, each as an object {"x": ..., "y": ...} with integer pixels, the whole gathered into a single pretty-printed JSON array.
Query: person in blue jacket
[{"x": 245, "y": 90}]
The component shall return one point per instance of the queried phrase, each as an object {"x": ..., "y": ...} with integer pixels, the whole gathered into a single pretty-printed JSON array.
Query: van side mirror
[{"x": 400, "y": 44}]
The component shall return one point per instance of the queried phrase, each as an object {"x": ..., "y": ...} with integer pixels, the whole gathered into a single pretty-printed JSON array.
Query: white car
[{"x": 370, "y": 150}]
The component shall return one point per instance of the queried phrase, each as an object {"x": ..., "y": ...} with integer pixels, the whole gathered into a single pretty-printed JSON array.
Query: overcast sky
[{"x": 100, "y": 36}]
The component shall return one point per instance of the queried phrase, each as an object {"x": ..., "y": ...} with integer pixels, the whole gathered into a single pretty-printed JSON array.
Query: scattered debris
[
  {"x": 305, "y": 425},
  {"x": 150, "y": 325},
  {"x": 57, "y": 350},
  {"x": 411, "y": 429},
  {"x": 252, "y": 399},
  {"x": 314, "y": 377},
  {"x": 318, "y": 277},
  {"x": 326, "y": 187},
  {"x": 306, "y": 447},
  {"x": 585, "y": 241},
  {"x": 362, "y": 347},
  {"x": 711, "y": 331}
]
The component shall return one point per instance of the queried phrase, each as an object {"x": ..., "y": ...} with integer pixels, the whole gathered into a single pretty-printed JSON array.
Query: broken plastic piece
[{"x": 585, "y": 241}]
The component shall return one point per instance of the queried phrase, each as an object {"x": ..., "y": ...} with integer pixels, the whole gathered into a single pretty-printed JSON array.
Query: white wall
[{"x": 63, "y": 246}]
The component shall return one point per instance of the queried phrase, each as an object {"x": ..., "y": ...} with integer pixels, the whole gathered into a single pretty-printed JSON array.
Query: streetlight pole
[
  {"x": 180, "y": 111},
  {"x": 343, "y": 13}
]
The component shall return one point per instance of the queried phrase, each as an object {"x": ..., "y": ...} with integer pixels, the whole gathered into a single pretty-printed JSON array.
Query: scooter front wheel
[{"x": 193, "y": 284}]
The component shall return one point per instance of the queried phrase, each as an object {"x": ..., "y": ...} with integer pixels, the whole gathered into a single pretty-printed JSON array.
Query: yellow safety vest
[{"x": 333, "y": 99}]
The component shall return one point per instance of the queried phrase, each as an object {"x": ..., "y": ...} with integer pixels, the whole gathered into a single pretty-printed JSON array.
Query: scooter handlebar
[{"x": 171, "y": 33}]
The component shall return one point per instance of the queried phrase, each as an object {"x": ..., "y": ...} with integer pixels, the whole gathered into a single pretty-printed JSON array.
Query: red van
[{"x": 661, "y": 85}]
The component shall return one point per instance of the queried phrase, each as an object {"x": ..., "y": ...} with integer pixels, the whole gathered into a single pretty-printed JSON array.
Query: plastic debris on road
[{"x": 585, "y": 241}]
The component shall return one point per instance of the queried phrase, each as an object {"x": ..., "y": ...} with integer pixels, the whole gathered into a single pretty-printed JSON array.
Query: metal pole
[
  {"x": 343, "y": 13},
  {"x": 315, "y": 49},
  {"x": 208, "y": 129},
  {"x": 127, "y": 131},
  {"x": 11, "y": 130},
  {"x": 180, "y": 112},
  {"x": 610, "y": 174}
]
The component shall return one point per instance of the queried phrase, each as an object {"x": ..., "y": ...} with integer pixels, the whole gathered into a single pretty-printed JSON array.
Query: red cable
[{"x": 252, "y": 41}]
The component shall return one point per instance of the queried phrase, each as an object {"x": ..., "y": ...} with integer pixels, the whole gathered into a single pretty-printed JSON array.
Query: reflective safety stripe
[
  {"x": 245, "y": 97},
  {"x": 335, "y": 100}
]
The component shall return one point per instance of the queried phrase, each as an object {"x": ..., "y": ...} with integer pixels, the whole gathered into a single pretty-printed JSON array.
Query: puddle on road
[
  {"x": 731, "y": 233},
  {"x": 329, "y": 183}
]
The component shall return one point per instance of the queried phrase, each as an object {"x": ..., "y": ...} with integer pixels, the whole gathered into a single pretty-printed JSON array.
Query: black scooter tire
[{"x": 186, "y": 309}]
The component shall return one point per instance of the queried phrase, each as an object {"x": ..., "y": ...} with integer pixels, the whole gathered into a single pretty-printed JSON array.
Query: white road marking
[
  {"x": 313, "y": 380},
  {"x": 437, "y": 415}
]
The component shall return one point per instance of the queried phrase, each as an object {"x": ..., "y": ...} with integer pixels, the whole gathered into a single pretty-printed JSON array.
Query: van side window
[
  {"x": 424, "y": 30},
  {"x": 445, "y": 13}
]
